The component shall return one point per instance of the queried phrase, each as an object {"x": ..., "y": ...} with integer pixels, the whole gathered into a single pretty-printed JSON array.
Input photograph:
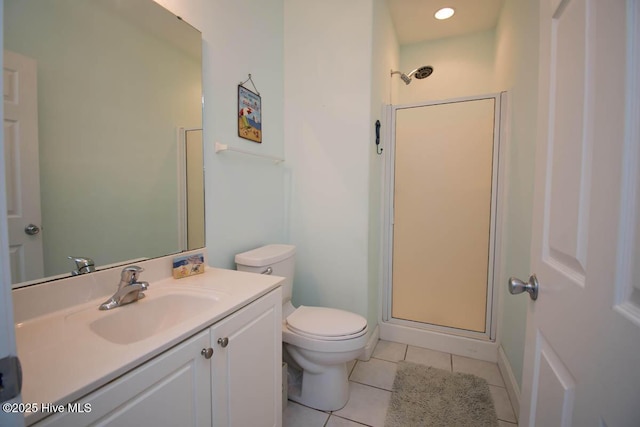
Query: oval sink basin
[{"x": 150, "y": 316}]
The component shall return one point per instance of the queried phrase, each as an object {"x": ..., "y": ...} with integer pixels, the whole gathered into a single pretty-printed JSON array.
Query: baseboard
[
  {"x": 371, "y": 344},
  {"x": 510, "y": 381},
  {"x": 461, "y": 346}
]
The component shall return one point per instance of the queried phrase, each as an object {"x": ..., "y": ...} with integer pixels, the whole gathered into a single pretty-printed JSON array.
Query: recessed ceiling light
[{"x": 444, "y": 13}]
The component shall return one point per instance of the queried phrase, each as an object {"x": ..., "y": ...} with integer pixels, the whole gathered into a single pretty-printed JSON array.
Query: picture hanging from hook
[
  {"x": 249, "y": 79},
  {"x": 249, "y": 112},
  {"x": 378, "y": 149}
]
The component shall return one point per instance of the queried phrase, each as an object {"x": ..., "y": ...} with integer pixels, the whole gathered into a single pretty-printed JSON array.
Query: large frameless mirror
[{"x": 103, "y": 118}]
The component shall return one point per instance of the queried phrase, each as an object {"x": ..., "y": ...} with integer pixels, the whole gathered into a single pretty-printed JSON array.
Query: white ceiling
[{"x": 414, "y": 21}]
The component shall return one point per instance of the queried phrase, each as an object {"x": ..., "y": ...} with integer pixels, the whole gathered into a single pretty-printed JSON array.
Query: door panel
[
  {"x": 554, "y": 388},
  {"x": 247, "y": 365},
  {"x": 569, "y": 149}
]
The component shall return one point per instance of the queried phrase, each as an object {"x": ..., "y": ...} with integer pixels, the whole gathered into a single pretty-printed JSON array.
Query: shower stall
[{"x": 442, "y": 209}]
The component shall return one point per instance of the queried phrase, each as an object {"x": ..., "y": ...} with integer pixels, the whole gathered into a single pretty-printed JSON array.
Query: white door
[
  {"x": 22, "y": 167},
  {"x": 582, "y": 353}
]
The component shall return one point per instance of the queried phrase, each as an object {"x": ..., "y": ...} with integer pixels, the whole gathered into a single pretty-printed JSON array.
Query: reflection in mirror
[
  {"x": 194, "y": 188},
  {"x": 98, "y": 95}
]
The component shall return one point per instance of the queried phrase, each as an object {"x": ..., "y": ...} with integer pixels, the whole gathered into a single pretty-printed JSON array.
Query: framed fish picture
[{"x": 249, "y": 115}]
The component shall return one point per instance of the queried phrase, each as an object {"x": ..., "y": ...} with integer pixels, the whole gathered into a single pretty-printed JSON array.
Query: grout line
[
  {"x": 406, "y": 350},
  {"x": 305, "y": 406},
  {"x": 384, "y": 360},
  {"x": 372, "y": 386},
  {"x": 493, "y": 385},
  {"x": 380, "y": 360},
  {"x": 349, "y": 419},
  {"x": 353, "y": 368}
]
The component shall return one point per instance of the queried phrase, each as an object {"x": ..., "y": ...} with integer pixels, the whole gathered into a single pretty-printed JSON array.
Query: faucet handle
[
  {"x": 83, "y": 265},
  {"x": 131, "y": 273}
]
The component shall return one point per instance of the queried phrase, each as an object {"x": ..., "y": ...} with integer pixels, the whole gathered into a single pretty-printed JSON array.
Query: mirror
[{"x": 118, "y": 99}]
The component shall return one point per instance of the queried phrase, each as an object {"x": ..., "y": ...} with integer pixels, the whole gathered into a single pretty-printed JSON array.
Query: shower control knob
[
  {"x": 223, "y": 342},
  {"x": 517, "y": 286},
  {"x": 207, "y": 352}
]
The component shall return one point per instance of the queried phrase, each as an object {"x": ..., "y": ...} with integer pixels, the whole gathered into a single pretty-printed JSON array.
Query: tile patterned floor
[{"x": 371, "y": 382}]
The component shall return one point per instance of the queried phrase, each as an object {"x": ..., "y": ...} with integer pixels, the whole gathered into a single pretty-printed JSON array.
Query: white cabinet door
[
  {"x": 171, "y": 390},
  {"x": 247, "y": 360}
]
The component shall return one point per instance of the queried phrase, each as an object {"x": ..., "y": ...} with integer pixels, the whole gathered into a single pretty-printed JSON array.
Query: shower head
[{"x": 420, "y": 73}]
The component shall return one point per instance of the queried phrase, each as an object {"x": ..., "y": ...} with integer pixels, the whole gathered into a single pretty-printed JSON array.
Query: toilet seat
[{"x": 327, "y": 324}]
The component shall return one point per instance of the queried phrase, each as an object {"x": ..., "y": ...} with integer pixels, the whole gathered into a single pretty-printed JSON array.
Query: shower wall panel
[{"x": 442, "y": 213}]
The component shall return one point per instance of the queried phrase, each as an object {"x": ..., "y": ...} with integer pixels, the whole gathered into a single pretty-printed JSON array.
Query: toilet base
[{"x": 325, "y": 391}]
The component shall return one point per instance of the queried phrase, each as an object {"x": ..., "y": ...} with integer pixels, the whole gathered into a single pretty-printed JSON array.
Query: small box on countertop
[{"x": 189, "y": 265}]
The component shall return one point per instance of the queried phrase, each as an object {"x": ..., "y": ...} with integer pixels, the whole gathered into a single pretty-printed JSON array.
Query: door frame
[
  {"x": 497, "y": 219},
  {"x": 7, "y": 328},
  {"x": 183, "y": 220}
]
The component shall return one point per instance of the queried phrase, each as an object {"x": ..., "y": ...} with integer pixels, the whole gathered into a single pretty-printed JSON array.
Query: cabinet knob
[
  {"x": 207, "y": 352},
  {"x": 223, "y": 341}
]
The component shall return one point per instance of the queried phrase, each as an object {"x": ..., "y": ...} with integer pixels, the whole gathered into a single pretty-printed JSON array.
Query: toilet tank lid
[{"x": 265, "y": 255}]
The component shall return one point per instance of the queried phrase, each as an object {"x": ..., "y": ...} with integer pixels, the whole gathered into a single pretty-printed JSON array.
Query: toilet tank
[{"x": 281, "y": 259}]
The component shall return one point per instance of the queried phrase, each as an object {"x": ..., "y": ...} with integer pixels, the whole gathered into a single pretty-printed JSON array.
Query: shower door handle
[{"x": 517, "y": 286}]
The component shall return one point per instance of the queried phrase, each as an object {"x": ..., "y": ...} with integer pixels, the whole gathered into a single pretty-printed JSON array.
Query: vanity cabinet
[
  {"x": 239, "y": 384},
  {"x": 172, "y": 389}
]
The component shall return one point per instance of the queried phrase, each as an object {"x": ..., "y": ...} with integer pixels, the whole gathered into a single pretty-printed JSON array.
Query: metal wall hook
[{"x": 252, "y": 84}]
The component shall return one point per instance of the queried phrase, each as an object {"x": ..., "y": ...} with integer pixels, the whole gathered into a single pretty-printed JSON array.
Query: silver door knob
[
  {"x": 207, "y": 352},
  {"x": 32, "y": 229},
  {"x": 223, "y": 341},
  {"x": 517, "y": 286}
]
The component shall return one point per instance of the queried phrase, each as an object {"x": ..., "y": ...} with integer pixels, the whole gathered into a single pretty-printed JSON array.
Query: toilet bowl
[{"x": 317, "y": 340}]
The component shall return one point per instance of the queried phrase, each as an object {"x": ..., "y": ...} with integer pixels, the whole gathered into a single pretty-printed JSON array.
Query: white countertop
[{"x": 63, "y": 360}]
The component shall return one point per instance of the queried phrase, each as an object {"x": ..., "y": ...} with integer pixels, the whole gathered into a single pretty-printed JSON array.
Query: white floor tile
[
  {"x": 502, "y": 403},
  {"x": 425, "y": 356},
  {"x": 391, "y": 351},
  {"x": 370, "y": 384},
  {"x": 487, "y": 370},
  {"x": 367, "y": 405},
  {"x": 296, "y": 415},
  {"x": 375, "y": 372}
]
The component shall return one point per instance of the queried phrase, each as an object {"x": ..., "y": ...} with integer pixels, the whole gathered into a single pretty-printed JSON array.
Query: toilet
[{"x": 319, "y": 340}]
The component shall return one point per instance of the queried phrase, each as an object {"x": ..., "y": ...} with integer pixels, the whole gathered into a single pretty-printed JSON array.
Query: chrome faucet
[
  {"x": 129, "y": 288},
  {"x": 84, "y": 265}
]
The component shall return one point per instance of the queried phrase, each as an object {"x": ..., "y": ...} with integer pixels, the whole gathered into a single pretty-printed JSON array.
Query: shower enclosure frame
[{"x": 478, "y": 344}]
